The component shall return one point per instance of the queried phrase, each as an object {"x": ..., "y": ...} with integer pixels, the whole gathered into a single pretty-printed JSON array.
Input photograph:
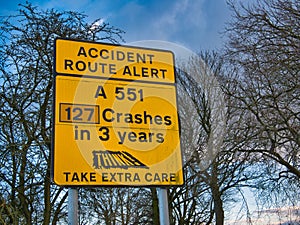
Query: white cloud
[
  {"x": 192, "y": 23},
  {"x": 183, "y": 16},
  {"x": 272, "y": 216}
]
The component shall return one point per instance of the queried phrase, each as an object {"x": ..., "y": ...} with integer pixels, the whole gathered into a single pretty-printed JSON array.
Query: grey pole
[
  {"x": 163, "y": 206},
  {"x": 73, "y": 206}
]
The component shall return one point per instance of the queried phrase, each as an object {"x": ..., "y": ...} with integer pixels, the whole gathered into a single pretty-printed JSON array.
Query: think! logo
[{"x": 115, "y": 159}]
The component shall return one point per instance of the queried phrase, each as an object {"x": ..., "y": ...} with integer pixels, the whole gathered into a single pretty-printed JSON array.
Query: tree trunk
[
  {"x": 219, "y": 212},
  {"x": 155, "y": 206},
  {"x": 216, "y": 193}
]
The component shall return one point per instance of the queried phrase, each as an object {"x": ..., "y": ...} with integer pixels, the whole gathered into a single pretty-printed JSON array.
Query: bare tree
[
  {"x": 27, "y": 195},
  {"x": 263, "y": 45},
  {"x": 214, "y": 173},
  {"x": 119, "y": 206}
]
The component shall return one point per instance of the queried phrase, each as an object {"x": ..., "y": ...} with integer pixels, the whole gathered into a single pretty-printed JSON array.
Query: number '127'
[{"x": 77, "y": 113}]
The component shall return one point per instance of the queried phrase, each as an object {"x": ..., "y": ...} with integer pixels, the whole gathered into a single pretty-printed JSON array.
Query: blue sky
[{"x": 195, "y": 24}]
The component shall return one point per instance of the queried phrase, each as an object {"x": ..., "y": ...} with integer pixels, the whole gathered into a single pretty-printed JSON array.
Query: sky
[{"x": 194, "y": 24}]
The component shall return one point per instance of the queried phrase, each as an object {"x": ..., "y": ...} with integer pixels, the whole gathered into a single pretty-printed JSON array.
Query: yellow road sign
[
  {"x": 116, "y": 131},
  {"x": 113, "y": 61}
]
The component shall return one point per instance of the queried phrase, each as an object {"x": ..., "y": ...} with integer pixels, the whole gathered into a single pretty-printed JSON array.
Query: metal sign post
[
  {"x": 162, "y": 194},
  {"x": 72, "y": 206}
]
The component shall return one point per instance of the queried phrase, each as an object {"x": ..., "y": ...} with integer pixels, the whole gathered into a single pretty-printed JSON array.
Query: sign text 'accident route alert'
[
  {"x": 115, "y": 116},
  {"x": 111, "y": 61}
]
